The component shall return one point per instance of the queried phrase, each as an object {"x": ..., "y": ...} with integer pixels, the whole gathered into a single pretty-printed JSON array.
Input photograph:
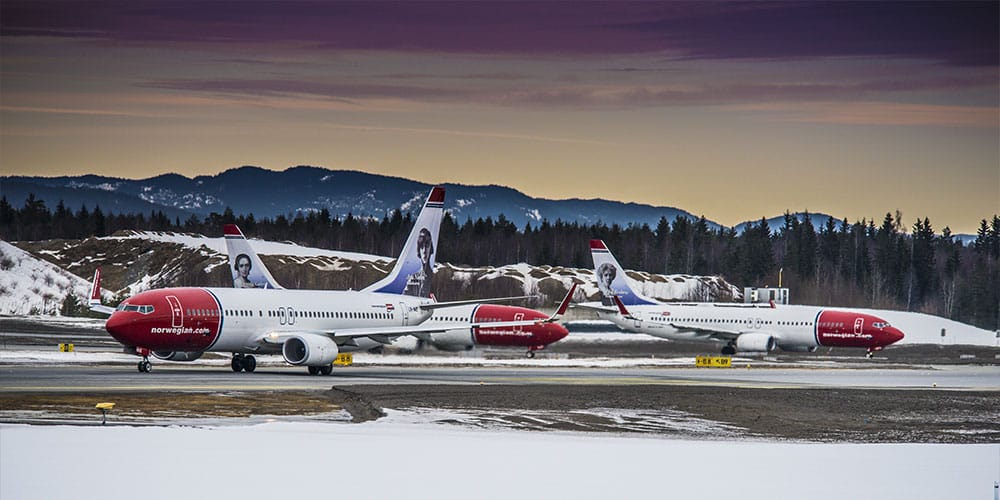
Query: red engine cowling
[{"x": 177, "y": 355}]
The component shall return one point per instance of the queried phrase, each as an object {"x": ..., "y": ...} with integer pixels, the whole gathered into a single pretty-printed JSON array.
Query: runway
[{"x": 168, "y": 377}]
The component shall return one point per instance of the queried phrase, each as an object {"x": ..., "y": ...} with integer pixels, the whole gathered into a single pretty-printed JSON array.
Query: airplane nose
[
  {"x": 118, "y": 325},
  {"x": 893, "y": 335},
  {"x": 114, "y": 325},
  {"x": 556, "y": 332}
]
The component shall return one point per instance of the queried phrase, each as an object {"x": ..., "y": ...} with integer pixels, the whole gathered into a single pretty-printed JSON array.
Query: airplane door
[
  {"x": 519, "y": 317},
  {"x": 405, "y": 313},
  {"x": 859, "y": 326},
  {"x": 176, "y": 312}
]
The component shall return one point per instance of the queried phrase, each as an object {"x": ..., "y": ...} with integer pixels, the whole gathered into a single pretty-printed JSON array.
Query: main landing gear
[
  {"x": 532, "y": 349},
  {"x": 145, "y": 366},
  {"x": 320, "y": 370},
  {"x": 244, "y": 362}
]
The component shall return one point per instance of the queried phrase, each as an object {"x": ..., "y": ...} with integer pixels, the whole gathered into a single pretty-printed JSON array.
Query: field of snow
[
  {"x": 398, "y": 457},
  {"x": 29, "y": 285}
]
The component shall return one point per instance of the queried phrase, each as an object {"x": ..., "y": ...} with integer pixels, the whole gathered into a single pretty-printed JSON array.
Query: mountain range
[{"x": 268, "y": 193}]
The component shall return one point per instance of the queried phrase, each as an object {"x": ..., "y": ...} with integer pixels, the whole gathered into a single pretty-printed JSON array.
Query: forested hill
[
  {"x": 885, "y": 265},
  {"x": 267, "y": 193}
]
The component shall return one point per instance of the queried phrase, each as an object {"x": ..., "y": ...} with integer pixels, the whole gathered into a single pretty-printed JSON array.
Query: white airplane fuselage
[
  {"x": 790, "y": 327},
  {"x": 235, "y": 320}
]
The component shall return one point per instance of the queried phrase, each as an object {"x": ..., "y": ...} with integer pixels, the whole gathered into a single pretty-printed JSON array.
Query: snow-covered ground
[
  {"x": 395, "y": 457},
  {"x": 29, "y": 285},
  {"x": 261, "y": 246}
]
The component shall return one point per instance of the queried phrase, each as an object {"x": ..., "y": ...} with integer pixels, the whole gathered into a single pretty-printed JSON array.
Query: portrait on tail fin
[
  {"x": 242, "y": 267},
  {"x": 606, "y": 274},
  {"x": 419, "y": 283}
]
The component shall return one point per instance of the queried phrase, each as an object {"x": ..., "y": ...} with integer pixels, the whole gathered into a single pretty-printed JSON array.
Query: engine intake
[{"x": 309, "y": 350}]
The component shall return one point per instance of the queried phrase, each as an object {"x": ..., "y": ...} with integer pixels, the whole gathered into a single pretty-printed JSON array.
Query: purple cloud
[{"x": 956, "y": 33}]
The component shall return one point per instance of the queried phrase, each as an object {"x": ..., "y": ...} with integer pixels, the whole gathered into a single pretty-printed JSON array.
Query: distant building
[{"x": 752, "y": 295}]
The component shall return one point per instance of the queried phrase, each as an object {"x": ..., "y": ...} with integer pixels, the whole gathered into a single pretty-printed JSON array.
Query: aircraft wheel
[
  {"x": 141, "y": 367},
  {"x": 145, "y": 366},
  {"x": 237, "y": 363},
  {"x": 313, "y": 370},
  {"x": 249, "y": 363},
  {"x": 530, "y": 354},
  {"x": 729, "y": 350},
  {"x": 326, "y": 369}
]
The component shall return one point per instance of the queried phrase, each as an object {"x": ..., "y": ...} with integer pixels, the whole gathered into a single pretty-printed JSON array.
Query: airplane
[
  {"x": 743, "y": 328},
  {"x": 307, "y": 327},
  {"x": 249, "y": 270}
]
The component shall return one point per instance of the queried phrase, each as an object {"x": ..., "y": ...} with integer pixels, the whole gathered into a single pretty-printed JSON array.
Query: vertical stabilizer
[
  {"x": 414, "y": 270},
  {"x": 247, "y": 269},
  {"x": 611, "y": 278}
]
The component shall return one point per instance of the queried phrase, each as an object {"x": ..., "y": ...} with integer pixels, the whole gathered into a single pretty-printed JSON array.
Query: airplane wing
[
  {"x": 438, "y": 305},
  {"x": 385, "y": 335},
  {"x": 595, "y": 306},
  {"x": 716, "y": 333}
]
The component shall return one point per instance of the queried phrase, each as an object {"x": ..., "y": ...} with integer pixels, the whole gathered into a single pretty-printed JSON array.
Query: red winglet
[
  {"x": 597, "y": 245},
  {"x": 566, "y": 301},
  {"x": 621, "y": 307},
  {"x": 231, "y": 230},
  {"x": 95, "y": 291},
  {"x": 437, "y": 195}
]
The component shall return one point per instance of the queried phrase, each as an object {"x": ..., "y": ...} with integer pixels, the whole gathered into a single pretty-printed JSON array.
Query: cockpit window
[
  {"x": 880, "y": 325},
  {"x": 135, "y": 308}
]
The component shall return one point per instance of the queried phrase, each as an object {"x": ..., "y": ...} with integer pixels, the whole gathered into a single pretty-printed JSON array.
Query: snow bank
[{"x": 386, "y": 459}]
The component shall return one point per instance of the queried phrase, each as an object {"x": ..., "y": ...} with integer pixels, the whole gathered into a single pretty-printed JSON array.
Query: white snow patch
[
  {"x": 29, "y": 285},
  {"x": 262, "y": 247},
  {"x": 89, "y": 462}
]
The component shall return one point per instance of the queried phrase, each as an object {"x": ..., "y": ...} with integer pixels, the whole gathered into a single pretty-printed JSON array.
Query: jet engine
[
  {"x": 309, "y": 350},
  {"x": 754, "y": 342},
  {"x": 453, "y": 340},
  {"x": 177, "y": 355}
]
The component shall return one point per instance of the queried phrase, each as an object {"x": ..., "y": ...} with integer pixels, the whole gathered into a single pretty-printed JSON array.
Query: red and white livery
[
  {"x": 307, "y": 327},
  {"x": 743, "y": 328}
]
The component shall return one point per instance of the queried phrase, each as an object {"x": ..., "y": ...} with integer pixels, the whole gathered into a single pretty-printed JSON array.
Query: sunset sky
[{"x": 729, "y": 110}]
